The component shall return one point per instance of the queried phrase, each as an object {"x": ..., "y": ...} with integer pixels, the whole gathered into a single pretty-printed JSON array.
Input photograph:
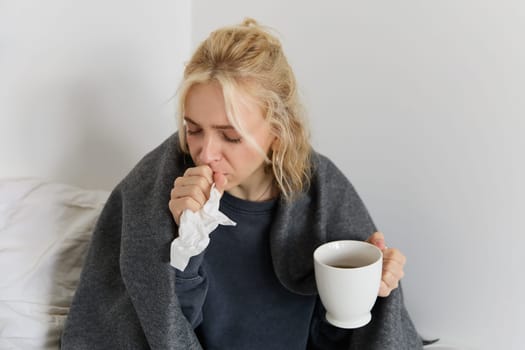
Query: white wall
[
  {"x": 421, "y": 104},
  {"x": 85, "y": 85}
]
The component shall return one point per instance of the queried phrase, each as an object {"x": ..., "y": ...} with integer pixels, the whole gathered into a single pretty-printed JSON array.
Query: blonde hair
[{"x": 246, "y": 60}]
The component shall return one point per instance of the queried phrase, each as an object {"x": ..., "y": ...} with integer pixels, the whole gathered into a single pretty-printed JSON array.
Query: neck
[
  {"x": 267, "y": 193},
  {"x": 263, "y": 192}
]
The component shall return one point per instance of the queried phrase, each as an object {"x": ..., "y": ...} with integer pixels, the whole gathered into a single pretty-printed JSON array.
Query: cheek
[
  {"x": 192, "y": 148},
  {"x": 248, "y": 160},
  {"x": 189, "y": 140}
]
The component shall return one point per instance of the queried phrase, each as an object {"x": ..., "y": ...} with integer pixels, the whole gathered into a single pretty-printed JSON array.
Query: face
[{"x": 213, "y": 141}]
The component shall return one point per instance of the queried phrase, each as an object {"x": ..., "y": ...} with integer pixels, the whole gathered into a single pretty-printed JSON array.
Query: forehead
[
  {"x": 203, "y": 99},
  {"x": 210, "y": 103}
]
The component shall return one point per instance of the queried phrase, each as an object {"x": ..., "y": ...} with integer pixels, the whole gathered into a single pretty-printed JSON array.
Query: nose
[{"x": 210, "y": 150}]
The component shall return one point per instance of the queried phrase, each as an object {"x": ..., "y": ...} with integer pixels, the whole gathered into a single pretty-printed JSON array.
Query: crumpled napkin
[{"x": 195, "y": 229}]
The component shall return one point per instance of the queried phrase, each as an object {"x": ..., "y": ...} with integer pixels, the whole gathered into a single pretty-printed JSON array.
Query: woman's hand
[
  {"x": 393, "y": 263},
  {"x": 192, "y": 190}
]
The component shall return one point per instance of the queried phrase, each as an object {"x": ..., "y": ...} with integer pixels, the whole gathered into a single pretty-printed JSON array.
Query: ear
[
  {"x": 275, "y": 144},
  {"x": 272, "y": 151}
]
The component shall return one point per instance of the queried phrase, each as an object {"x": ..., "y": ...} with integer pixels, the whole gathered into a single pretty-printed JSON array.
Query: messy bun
[{"x": 249, "y": 22}]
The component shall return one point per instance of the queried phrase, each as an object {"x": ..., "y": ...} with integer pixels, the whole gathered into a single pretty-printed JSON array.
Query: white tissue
[{"x": 195, "y": 229}]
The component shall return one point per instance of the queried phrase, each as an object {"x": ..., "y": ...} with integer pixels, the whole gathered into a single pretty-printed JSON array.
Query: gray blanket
[{"x": 126, "y": 298}]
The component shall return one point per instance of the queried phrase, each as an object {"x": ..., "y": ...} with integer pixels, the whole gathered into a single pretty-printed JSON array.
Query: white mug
[{"x": 348, "y": 277}]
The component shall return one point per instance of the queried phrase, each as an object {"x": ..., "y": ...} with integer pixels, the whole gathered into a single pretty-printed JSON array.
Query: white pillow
[{"x": 45, "y": 230}]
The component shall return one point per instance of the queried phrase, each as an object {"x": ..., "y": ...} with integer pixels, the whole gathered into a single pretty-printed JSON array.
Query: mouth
[{"x": 215, "y": 171}]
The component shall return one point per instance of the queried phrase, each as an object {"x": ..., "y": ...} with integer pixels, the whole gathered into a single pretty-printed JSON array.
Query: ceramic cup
[{"x": 348, "y": 276}]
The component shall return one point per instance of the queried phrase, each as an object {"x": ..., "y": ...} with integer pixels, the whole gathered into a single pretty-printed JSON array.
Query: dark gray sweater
[
  {"x": 127, "y": 298},
  {"x": 245, "y": 306}
]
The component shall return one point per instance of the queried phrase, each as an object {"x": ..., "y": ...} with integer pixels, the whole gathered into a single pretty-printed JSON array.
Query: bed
[{"x": 45, "y": 230}]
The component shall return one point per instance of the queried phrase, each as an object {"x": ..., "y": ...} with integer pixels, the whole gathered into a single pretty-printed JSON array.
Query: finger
[
  {"x": 394, "y": 268},
  {"x": 220, "y": 181},
  {"x": 177, "y": 206},
  {"x": 394, "y": 255},
  {"x": 390, "y": 280},
  {"x": 377, "y": 239},
  {"x": 181, "y": 183},
  {"x": 175, "y": 210},
  {"x": 202, "y": 170},
  {"x": 384, "y": 290},
  {"x": 387, "y": 286},
  {"x": 194, "y": 192},
  {"x": 394, "y": 263},
  {"x": 188, "y": 193}
]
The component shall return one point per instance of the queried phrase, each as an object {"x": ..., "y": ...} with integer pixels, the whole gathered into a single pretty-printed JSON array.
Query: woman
[{"x": 241, "y": 128}]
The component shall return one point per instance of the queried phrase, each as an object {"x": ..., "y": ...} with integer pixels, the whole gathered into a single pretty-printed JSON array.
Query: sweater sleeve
[{"x": 191, "y": 286}]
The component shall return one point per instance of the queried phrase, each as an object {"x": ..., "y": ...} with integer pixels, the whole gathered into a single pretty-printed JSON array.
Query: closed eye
[
  {"x": 193, "y": 131},
  {"x": 227, "y": 132},
  {"x": 231, "y": 139}
]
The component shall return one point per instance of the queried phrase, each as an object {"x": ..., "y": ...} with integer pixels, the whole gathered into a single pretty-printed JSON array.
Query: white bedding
[{"x": 44, "y": 234}]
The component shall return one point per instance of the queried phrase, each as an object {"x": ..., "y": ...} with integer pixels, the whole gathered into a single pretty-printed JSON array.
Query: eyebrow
[{"x": 219, "y": 127}]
